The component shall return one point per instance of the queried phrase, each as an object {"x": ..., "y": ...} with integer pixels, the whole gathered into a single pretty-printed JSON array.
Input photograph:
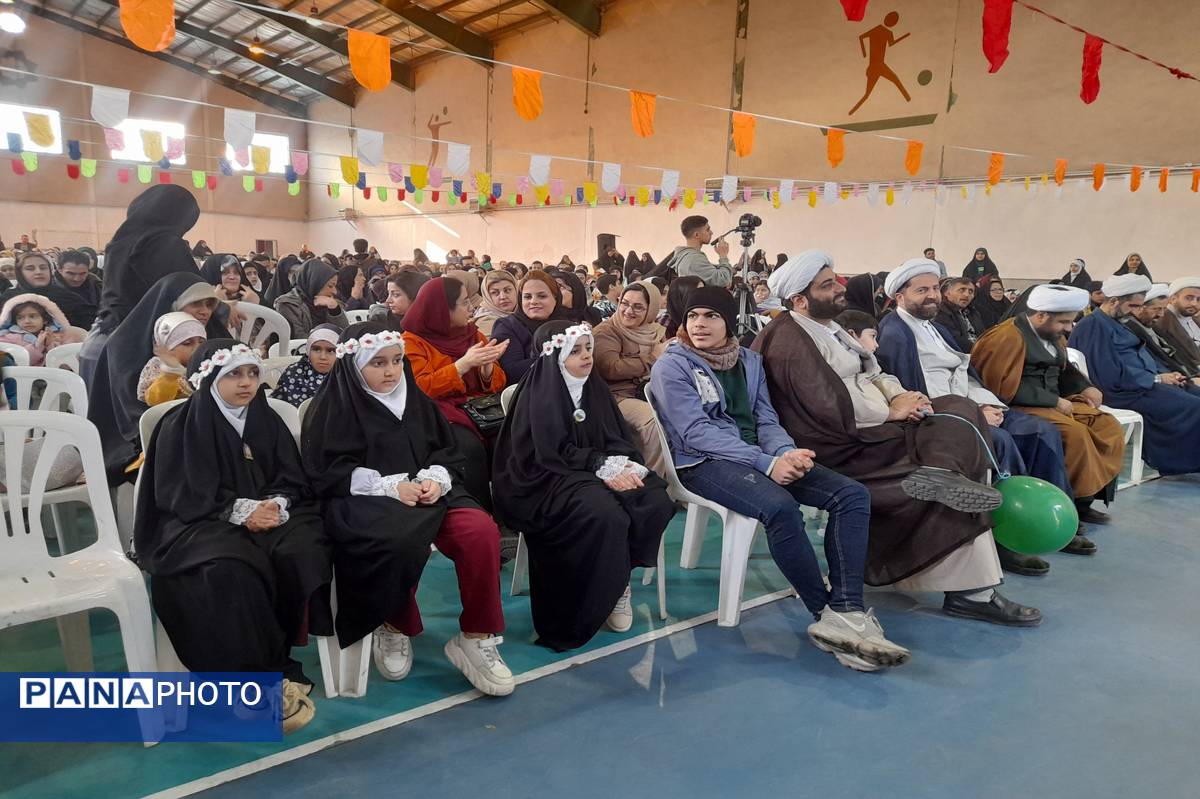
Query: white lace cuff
[
  {"x": 437, "y": 474},
  {"x": 242, "y": 508},
  {"x": 615, "y": 464}
]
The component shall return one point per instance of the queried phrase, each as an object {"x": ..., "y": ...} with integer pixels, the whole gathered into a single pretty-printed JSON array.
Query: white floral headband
[
  {"x": 369, "y": 341},
  {"x": 559, "y": 340},
  {"x": 221, "y": 358}
]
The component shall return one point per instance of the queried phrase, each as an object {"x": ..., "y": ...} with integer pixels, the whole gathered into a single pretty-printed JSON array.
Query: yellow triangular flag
[
  {"x": 152, "y": 145},
  {"x": 689, "y": 197},
  {"x": 420, "y": 176},
  {"x": 349, "y": 169},
  {"x": 38, "y": 126},
  {"x": 261, "y": 158}
]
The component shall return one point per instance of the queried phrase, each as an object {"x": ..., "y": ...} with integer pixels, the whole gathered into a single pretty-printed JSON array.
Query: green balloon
[{"x": 1035, "y": 517}]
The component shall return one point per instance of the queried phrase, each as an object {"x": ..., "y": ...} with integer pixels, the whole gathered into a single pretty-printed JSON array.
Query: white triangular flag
[
  {"x": 370, "y": 146},
  {"x": 872, "y": 194},
  {"x": 110, "y": 107},
  {"x": 729, "y": 188},
  {"x": 458, "y": 159},
  {"x": 906, "y": 193},
  {"x": 1058, "y": 192},
  {"x": 670, "y": 182},
  {"x": 970, "y": 193},
  {"x": 539, "y": 169},
  {"x": 239, "y": 128},
  {"x": 786, "y": 187},
  {"x": 940, "y": 194},
  {"x": 610, "y": 177},
  {"x": 830, "y": 193}
]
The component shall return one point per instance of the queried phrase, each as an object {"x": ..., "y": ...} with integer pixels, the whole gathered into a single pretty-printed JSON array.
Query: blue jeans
[{"x": 745, "y": 490}]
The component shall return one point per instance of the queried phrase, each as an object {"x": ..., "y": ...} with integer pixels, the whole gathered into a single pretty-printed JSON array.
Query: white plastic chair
[
  {"x": 64, "y": 356},
  {"x": 35, "y": 586},
  {"x": 1131, "y": 422},
  {"x": 20, "y": 355},
  {"x": 358, "y": 316},
  {"x": 292, "y": 347},
  {"x": 60, "y": 384},
  {"x": 272, "y": 322},
  {"x": 737, "y": 534}
]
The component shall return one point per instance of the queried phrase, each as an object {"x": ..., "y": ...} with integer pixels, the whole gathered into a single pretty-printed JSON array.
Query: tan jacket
[{"x": 625, "y": 367}]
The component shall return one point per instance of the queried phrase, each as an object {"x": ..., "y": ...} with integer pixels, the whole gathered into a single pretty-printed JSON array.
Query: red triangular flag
[
  {"x": 258, "y": 184},
  {"x": 122, "y": 176},
  {"x": 211, "y": 182},
  {"x": 1089, "y": 89},
  {"x": 164, "y": 177},
  {"x": 434, "y": 195},
  {"x": 997, "y": 21},
  {"x": 73, "y": 171},
  {"x": 399, "y": 194},
  {"x": 366, "y": 192},
  {"x": 855, "y": 9},
  {"x": 18, "y": 166}
]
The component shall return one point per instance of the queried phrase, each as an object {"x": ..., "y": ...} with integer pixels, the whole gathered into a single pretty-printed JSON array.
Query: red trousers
[{"x": 469, "y": 537}]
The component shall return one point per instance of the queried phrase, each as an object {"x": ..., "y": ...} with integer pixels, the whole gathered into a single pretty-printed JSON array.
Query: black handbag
[{"x": 486, "y": 412}]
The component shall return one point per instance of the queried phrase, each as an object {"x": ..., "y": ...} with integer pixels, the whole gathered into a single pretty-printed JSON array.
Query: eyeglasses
[{"x": 625, "y": 306}]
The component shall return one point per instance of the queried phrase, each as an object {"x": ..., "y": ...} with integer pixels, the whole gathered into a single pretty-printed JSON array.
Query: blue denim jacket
[{"x": 691, "y": 407}]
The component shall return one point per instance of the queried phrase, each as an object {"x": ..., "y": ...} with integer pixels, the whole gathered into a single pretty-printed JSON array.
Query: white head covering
[
  {"x": 195, "y": 293},
  {"x": 172, "y": 329},
  {"x": 564, "y": 343},
  {"x": 368, "y": 346},
  {"x": 1057, "y": 299},
  {"x": 1181, "y": 284},
  {"x": 326, "y": 333},
  {"x": 1079, "y": 262},
  {"x": 898, "y": 277},
  {"x": 238, "y": 356},
  {"x": 1124, "y": 285},
  {"x": 797, "y": 273},
  {"x": 1158, "y": 291}
]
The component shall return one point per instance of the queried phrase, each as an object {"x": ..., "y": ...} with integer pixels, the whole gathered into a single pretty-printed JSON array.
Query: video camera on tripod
[{"x": 749, "y": 322}]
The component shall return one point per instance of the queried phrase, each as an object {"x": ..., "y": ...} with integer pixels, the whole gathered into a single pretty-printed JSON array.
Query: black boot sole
[
  {"x": 951, "y": 489},
  {"x": 967, "y": 614}
]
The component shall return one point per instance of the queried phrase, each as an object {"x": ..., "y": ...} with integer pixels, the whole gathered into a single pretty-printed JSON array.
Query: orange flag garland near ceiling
[
  {"x": 641, "y": 109},
  {"x": 527, "y": 93},
  {"x": 836, "y": 146},
  {"x": 1097, "y": 176},
  {"x": 150, "y": 24},
  {"x": 370, "y": 59},
  {"x": 912, "y": 156},
  {"x": 1060, "y": 170},
  {"x": 743, "y": 134},
  {"x": 1135, "y": 178},
  {"x": 995, "y": 168}
]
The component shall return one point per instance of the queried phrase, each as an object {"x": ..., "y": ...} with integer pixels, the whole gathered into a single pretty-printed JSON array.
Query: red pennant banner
[
  {"x": 855, "y": 9},
  {"x": 211, "y": 182},
  {"x": 18, "y": 166},
  {"x": 434, "y": 195},
  {"x": 164, "y": 177},
  {"x": 400, "y": 194},
  {"x": 258, "y": 184},
  {"x": 122, "y": 176},
  {"x": 366, "y": 192},
  {"x": 73, "y": 171},
  {"x": 997, "y": 21},
  {"x": 1089, "y": 90}
]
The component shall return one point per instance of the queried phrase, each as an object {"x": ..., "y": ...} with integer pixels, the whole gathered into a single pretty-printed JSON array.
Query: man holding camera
[{"x": 689, "y": 260}]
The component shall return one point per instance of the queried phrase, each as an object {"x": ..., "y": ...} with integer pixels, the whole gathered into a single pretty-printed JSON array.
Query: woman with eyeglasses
[{"x": 626, "y": 345}]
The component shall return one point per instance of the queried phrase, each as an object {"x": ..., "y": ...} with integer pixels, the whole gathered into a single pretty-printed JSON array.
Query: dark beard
[
  {"x": 925, "y": 311},
  {"x": 825, "y": 310}
]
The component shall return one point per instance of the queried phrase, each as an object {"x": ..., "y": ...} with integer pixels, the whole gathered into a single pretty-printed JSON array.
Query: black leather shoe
[
  {"x": 1016, "y": 563},
  {"x": 997, "y": 610},
  {"x": 1079, "y": 545},
  {"x": 932, "y": 484},
  {"x": 1092, "y": 516}
]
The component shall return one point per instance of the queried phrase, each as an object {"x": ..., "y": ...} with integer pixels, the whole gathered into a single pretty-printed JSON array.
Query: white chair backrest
[
  {"x": 292, "y": 347},
  {"x": 507, "y": 396},
  {"x": 20, "y": 355},
  {"x": 357, "y": 316},
  {"x": 65, "y": 356},
  {"x": 668, "y": 459},
  {"x": 289, "y": 414},
  {"x": 151, "y": 417},
  {"x": 303, "y": 409},
  {"x": 272, "y": 322},
  {"x": 59, "y": 383},
  {"x": 1076, "y": 357},
  {"x": 22, "y": 543},
  {"x": 273, "y": 368}
]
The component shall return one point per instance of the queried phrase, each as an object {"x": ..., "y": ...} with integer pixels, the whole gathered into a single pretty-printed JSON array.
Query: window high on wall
[
  {"x": 133, "y": 150},
  {"x": 12, "y": 120},
  {"x": 277, "y": 144}
]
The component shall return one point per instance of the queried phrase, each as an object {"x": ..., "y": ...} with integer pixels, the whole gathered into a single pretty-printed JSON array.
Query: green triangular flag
[
  {"x": 335, "y": 189},
  {"x": 31, "y": 161},
  {"x": 453, "y": 198},
  {"x": 567, "y": 200},
  {"x": 248, "y": 182},
  {"x": 87, "y": 166},
  {"x": 419, "y": 196},
  {"x": 382, "y": 193},
  {"x": 143, "y": 173},
  {"x": 512, "y": 200},
  {"x": 199, "y": 179},
  {"x": 294, "y": 188}
]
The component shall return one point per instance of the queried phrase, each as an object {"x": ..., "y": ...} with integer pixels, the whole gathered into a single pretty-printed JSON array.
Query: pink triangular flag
[
  {"x": 174, "y": 148},
  {"x": 435, "y": 176},
  {"x": 556, "y": 189},
  {"x": 114, "y": 139},
  {"x": 300, "y": 162},
  {"x": 242, "y": 156},
  {"x": 396, "y": 172}
]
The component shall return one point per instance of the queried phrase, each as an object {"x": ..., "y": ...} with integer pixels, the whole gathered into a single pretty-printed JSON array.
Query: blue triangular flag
[
  {"x": 457, "y": 187},
  {"x": 14, "y": 143},
  {"x": 73, "y": 149},
  {"x": 579, "y": 194},
  {"x": 657, "y": 196},
  {"x": 408, "y": 184},
  {"x": 497, "y": 190},
  {"x": 164, "y": 163},
  {"x": 362, "y": 180},
  {"x": 225, "y": 167},
  {"x": 289, "y": 174}
]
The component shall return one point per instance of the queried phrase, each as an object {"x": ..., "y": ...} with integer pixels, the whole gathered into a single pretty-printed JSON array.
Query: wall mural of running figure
[
  {"x": 880, "y": 38},
  {"x": 436, "y": 123}
]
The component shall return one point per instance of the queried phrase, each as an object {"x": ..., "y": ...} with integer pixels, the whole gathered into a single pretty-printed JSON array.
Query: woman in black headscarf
[
  {"x": 633, "y": 264},
  {"x": 352, "y": 286},
  {"x": 225, "y": 272},
  {"x": 677, "y": 297},
  {"x": 1077, "y": 275},
  {"x": 648, "y": 264},
  {"x": 575, "y": 298},
  {"x": 1134, "y": 264},
  {"x": 780, "y": 260},
  {"x": 383, "y": 458},
  {"x": 759, "y": 262},
  {"x": 990, "y": 303},
  {"x": 230, "y": 530},
  {"x": 36, "y": 276},
  {"x": 980, "y": 265},
  {"x": 538, "y": 301},
  {"x": 862, "y": 294},
  {"x": 113, "y": 405},
  {"x": 312, "y": 300},
  {"x": 281, "y": 280},
  {"x": 567, "y": 475}
]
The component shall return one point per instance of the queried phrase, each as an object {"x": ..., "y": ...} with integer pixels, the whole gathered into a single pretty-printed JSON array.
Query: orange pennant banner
[
  {"x": 1135, "y": 178},
  {"x": 1162, "y": 180},
  {"x": 150, "y": 24},
  {"x": 836, "y": 147},
  {"x": 743, "y": 134},
  {"x": 1097, "y": 176},
  {"x": 912, "y": 156},
  {"x": 995, "y": 168},
  {"x": 370, "y": 59},
  {"x": 1195, "y": 180},
  {"x": 641, "y": 108},
  {"x": 1060, "y": 170},
  {"x": 527, "y": 93}
]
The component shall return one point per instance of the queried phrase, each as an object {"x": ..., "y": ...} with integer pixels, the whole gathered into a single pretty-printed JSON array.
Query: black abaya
[{"x": 583, "y": 537}]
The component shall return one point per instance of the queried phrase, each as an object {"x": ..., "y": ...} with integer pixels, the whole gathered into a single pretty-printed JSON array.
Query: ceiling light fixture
[
  {"x": 11, "y": 23},
  {"x": 314, "y": 17},
  {"x": 256, "y": 46},
  {"x": 214, "y": 71}
]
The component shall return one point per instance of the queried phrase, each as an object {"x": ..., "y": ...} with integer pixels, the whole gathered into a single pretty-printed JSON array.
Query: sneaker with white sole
[
  {"x": 856, "y": 633},
  {"x": 296, "y": 709},
  {"x": 392, "y": 652},
  {"x": 621, "y": 618},
  {"x": 480, "y": 662}
]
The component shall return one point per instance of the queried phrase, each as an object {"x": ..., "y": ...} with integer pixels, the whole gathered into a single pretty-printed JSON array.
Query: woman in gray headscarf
[{"x": 312, "y": 300}]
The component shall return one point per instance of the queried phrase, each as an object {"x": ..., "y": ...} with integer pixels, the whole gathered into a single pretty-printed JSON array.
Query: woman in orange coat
[{"x": 452, "y": 362}]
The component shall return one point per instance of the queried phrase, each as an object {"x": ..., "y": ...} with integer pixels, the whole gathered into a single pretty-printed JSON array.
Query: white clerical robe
[{"x": 946, "y": 370}]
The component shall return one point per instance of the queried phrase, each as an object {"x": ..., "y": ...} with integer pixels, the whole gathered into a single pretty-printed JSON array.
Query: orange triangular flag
[
  {"x": 1135, "y": 178},
  {"x": 527, "y": 93},
  {"x": 743, "y": 134},
  {"x": 1097, "y": 176},
  {"x": 370, "y": 59},
  {"x": 150, "y": 24},
  {"x": 912, "y": 157},
  {"x": 1162, "y": 179},
  {"x": 836, "y": 147},
  {"x": 995, "y": 168},
  {"x": 641, "y": 108},
  {"x": 1060, "y": 170},
  {"x": 1195, "y": 180}
]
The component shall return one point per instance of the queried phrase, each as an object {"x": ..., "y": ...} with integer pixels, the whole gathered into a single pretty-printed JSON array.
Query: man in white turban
[
  {"x": 929, "y": 531},
  {"x": 1178, "y": 325},
  {"x": 1143, "y": 323},
  {"x": 1124, "y": 368}
]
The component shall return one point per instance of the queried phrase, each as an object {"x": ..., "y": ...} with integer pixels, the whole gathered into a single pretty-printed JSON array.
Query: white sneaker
[
  {"x": 480, "y": 662},
  {"x": 296, "y": 708},
  {"x": 857, "y": 634},
  {"x": 621, "y": 618},
  {"x": 392, "y": 652}
]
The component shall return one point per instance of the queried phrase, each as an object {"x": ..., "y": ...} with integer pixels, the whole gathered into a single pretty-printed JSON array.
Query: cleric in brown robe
[
  {"x": 832, "y": 397},
  {"x": 1178, "y": 324},
  {"x": 1023, "y": 361}
]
